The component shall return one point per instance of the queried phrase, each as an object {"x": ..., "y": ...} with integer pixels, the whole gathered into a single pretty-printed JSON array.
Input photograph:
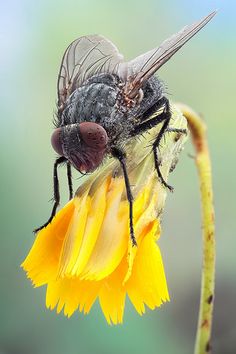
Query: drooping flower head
[{"x": 86, "y": 252}]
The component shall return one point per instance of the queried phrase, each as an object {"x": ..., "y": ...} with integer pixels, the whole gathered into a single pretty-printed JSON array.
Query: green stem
[{"x": 203, "y": 164}]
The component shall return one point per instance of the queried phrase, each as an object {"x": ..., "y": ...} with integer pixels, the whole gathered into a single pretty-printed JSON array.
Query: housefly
[{"x": 104, "y": 102}]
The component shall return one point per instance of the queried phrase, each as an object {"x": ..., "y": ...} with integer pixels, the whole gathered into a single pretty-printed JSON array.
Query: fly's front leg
[
  {"x": 120, "y": 155},
  {"x": 69, "y": 178},
  {"x": 56, "y": 194}
]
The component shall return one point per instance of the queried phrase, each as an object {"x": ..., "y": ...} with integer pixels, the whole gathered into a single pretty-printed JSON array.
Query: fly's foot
[
  {"x": 166, "y": 185},
  {"x": 134, "y": 242}
]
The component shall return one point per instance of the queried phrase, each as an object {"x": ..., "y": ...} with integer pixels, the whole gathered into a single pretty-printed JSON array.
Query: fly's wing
[
  {"x": 144, "y": 66},
  {"x": 83, "y": 58}
]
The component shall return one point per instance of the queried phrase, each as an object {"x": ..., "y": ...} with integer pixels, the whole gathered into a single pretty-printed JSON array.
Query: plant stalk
[{"x": 198, "y": 134}]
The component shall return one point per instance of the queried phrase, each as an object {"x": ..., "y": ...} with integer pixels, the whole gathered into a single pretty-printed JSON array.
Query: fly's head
[{"x": 83, "y": 144}]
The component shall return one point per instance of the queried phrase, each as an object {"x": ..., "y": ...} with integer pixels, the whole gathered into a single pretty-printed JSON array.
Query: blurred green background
[{"x": 34, "y": 35}]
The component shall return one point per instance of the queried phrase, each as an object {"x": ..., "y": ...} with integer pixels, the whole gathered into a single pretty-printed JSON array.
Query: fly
[{"x": 104, "y": 102}]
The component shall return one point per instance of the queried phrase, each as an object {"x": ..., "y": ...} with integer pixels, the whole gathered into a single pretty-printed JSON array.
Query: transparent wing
[
  {"x": 83, "y": 58},
  {"x": 141, "y": 68}
]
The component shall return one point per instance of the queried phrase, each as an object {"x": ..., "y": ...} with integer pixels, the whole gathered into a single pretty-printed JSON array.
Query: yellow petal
[
  {"x": 74, "y": 236},
  {"x": 112, "y": 239},
  {"x": 71, "y": 294},
  {"x": 147, "y": 283},
  {"x": 147, "y": 215},
  {"x": 41, "y": 264},
  {"x": 112, "y": 294},
  {"x": 93, "y": 226}
]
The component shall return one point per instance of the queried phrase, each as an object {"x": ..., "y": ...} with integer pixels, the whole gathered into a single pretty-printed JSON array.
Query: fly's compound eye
[
  {"x": 56, "y": 141},
  {"x": 94, "y": 135}
]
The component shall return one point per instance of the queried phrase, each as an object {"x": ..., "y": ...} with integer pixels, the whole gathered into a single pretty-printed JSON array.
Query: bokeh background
[{"x": 34, "y": 35}]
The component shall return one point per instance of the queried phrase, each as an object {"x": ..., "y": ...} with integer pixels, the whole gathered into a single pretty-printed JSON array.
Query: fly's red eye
[
  {"x": 56, "y": 141},
  {"x": 94, "y": 135}
]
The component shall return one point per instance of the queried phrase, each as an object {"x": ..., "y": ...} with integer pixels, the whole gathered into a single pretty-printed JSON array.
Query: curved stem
[{"x": 203, "y": 164}]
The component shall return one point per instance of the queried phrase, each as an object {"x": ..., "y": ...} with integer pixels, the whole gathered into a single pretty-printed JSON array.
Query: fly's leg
[
  {"x": 120, "y": 155},
  {"x": 164, "y": 118},
  {"x": 155, "y": 147},
  {"x": 56, "y": 195},
  {"x": 177, "y": 130},
  {"x": 69, "y": 178}
]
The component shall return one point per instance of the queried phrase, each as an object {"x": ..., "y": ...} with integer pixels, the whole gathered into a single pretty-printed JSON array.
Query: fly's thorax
[{"x": 93, "y": 101}]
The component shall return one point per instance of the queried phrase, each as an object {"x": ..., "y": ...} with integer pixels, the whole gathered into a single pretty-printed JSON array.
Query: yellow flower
[{"x": 86, "y": 252}]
